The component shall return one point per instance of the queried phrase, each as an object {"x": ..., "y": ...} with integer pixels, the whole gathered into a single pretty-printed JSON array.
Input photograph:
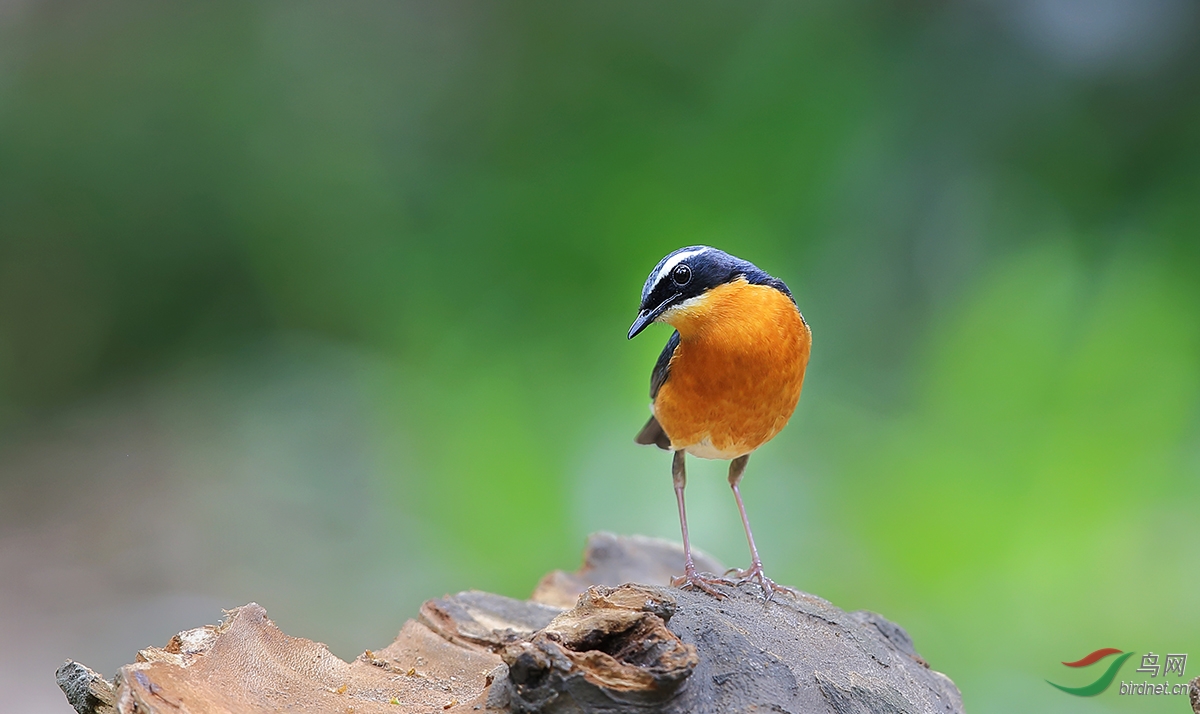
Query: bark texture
[{"x": 609, "y": 638}]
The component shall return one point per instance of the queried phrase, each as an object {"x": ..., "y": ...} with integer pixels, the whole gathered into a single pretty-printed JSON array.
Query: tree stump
[{"x": 609, "y": 638}]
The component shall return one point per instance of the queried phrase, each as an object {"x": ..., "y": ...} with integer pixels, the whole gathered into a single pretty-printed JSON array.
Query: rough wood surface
[{"x": 620, "y": 647}]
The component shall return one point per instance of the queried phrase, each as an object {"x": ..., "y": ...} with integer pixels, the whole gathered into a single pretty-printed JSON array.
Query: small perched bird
[{"x": 728, "y": 379}]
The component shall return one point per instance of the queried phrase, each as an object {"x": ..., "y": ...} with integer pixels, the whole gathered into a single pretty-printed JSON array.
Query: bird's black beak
[
  {"x": 640, "y": 323},
  {"x": 646, "y": 316}
]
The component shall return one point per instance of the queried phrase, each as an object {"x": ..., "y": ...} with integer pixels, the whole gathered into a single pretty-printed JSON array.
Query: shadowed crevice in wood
[{"x": 612, "y": 649}]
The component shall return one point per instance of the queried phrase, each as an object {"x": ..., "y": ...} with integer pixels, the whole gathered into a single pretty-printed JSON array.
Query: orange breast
[{"x": 736, "y": 376}]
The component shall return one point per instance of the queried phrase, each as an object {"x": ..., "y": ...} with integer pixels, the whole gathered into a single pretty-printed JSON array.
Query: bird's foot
[
  {"x": 700, "y": 581},
  {"x": 755, "y": 574}
]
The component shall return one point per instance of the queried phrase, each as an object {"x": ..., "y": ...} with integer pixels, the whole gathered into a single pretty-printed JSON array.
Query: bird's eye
[{"x": 681, "y": 275}]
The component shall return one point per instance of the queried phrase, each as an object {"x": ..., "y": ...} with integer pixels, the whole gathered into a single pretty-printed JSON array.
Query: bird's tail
[{"x": 653, "y": 433}]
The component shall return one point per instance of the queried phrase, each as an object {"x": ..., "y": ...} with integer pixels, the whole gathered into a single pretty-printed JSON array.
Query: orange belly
[{"x": 736, "y": 376}]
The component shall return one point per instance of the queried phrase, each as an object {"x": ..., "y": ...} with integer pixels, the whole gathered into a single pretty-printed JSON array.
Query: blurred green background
[{"x": 324, "y": 306}]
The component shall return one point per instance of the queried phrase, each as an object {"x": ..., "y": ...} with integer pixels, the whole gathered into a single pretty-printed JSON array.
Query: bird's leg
[
  {"x": 690, "y": 577},
  {"x": 755, "y": 572}
]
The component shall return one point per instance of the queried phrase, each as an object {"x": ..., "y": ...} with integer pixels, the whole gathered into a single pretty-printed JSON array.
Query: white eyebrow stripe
[{"x": 672, "y": 262}]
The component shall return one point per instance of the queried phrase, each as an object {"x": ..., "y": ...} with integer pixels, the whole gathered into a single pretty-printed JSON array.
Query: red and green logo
[{"x": 1105, "y": 679}]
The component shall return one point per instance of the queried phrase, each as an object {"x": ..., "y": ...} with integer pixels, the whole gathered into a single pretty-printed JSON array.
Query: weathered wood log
[{"x": 620, "y": 647}]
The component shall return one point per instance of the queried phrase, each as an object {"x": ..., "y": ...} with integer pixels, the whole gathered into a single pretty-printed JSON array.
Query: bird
[{"x": 727, "y": 381}]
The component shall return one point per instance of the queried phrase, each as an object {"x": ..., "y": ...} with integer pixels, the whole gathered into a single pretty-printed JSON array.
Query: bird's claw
[
  {"x": 701, "y": 581},
  {"x": 755, "y": 574}
]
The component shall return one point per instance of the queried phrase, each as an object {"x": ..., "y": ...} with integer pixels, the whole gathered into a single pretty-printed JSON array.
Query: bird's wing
[
  {"x": 653, "y": 432},
  {"x": 662, "y": 368}
]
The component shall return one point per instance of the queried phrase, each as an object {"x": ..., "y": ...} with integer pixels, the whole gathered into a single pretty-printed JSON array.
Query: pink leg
[
  {"x": 755, "y": 572},
  {"x": 690, "y": 578}
]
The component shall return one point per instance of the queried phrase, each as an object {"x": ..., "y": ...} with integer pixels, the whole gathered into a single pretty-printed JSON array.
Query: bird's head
[{"x": 683, "y": 278}]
